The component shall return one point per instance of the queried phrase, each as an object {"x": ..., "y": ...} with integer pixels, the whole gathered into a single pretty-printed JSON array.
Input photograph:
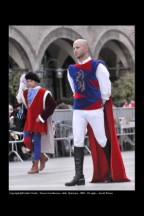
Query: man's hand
[
  {"x": 37, "y": 120},
  {"x": 103, "y": 101}
]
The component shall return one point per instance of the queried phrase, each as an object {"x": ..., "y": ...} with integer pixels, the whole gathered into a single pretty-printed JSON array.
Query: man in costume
[
  {"x": 38, "y": 129},
  {"x": 89, "y": 81}
]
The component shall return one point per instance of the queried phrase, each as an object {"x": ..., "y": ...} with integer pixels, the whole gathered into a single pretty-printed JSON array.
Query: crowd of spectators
[{"x": 129, "y": 105}]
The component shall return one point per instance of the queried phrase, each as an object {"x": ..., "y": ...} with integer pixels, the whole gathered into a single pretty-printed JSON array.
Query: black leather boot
[
  {"x": 78, "y": 158},
  {"x": 107, "y": 150}
]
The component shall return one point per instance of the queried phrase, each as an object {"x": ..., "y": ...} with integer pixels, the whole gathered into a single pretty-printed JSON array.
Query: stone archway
[
  {"x": 115, "y": 47},
  {"x": 58, "y": 45},
  {"x": 20, "y": 49},
  {"x": 59, "y": 37}
]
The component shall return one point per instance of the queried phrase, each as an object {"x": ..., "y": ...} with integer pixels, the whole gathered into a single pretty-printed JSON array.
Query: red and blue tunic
[
  {"x": 34, "y": 109},
  {"x": 87, "y": 94}
]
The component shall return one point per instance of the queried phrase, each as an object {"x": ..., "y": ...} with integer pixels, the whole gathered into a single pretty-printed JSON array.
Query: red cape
[{"x": 100, "y": 164}]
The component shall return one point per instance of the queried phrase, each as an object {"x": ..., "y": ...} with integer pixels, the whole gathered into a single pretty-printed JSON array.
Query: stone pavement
[{"x": 60, "y": 170}]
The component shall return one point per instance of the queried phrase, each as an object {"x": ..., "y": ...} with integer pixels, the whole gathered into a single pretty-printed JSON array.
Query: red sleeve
[{"x": 50, "y": 105}]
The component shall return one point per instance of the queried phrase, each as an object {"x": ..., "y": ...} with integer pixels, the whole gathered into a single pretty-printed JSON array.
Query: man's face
[
  {"x": 31, "y": 83},
  {"x": 79, "y": 49}
]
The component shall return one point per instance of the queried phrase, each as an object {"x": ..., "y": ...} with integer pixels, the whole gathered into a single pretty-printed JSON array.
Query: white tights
[{"x": 96, "y": 120}]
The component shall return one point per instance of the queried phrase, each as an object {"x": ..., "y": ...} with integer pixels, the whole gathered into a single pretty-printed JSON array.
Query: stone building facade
[{"x": 49, "y": 49}]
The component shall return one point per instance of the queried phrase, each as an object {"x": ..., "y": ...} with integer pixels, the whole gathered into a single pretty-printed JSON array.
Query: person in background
[
  {"x": 22, "y": 150},
  {"x": 125, "y": 104},
  {"x": 38, "y": 129},
  {"x": 131, "y": 104},
  {"x": 10, "y": 115},
  {"x": 91, "y": 86},
  {"x": 22, "y": 87}
]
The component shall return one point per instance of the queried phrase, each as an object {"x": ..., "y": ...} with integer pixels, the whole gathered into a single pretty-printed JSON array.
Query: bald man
[
  {"x": 89, "y": 81},
  {"x": 91, "y": 86}
]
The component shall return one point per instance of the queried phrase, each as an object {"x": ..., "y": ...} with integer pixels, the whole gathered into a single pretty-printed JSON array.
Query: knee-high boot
[
  {"x": 78, "y": 158},
  {"x": 107, "y": 151}
]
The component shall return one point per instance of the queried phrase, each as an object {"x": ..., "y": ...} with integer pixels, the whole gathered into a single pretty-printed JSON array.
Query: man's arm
[
  {"x": 50, "y": 107},
  {"x": 70, "y": 81},
  {"x": 103, "y": 75}
]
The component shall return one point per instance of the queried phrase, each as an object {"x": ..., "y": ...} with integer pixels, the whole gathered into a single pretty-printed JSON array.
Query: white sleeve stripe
[
  {"x": 41, "y": 119},
  {"x": 44, "y": 98}
]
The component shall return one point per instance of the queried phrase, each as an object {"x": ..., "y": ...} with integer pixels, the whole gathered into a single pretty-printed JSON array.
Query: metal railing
[
  {"x": 14, "y": 143},
  {"x": 124, "y": 122}
]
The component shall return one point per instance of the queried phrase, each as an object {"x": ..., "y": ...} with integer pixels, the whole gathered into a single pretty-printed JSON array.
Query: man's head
[
  {"x": 80, "y": 49},
  {"x": 32, "y": 79}
]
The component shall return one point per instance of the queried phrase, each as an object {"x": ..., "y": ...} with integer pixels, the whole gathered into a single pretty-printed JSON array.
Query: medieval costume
[
  {"x": 38, "y": 136},
  {"x": 91, "y": 86}
]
